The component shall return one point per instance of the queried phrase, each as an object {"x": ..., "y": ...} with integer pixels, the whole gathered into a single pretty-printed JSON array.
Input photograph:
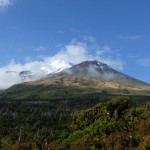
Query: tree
[{"x": 117, "y": 106}]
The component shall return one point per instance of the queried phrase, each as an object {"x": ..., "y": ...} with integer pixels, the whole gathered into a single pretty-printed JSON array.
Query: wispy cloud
[
  {"x": 130, "y": 37},
  {"x": 41, "y": 48},
  {"x": 107, "y": 55},
  {"x": 89, "y": 39},
  {"x": 73, "y": 53},
  {"x": 5, "y": 3},
  {"x": 145, "y": 62}
]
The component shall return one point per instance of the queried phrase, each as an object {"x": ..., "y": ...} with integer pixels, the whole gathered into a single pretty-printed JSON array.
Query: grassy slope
[{"x": 73, "y": 86}]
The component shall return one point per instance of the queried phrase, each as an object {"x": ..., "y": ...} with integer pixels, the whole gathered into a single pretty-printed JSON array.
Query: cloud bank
[{"x": 72, "y": 53}]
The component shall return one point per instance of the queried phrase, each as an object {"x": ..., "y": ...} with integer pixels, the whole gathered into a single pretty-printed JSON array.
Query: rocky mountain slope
[{"x": 93, "y": 74}]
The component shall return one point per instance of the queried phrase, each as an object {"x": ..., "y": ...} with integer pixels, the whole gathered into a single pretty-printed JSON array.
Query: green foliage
[
  {"x": 99, "y": 123},
  {"x": 85, "y": 117},
  {"x": 74, "y": 124},
  {"x": 147, "y": 145},
  {"x": 105, "y": 92},
  {"x": 118, "y": 104}
]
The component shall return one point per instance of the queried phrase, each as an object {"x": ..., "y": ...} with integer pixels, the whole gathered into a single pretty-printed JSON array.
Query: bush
[
  {"x": 118, "y": 105},
  {"x": 147, "y": 144}
]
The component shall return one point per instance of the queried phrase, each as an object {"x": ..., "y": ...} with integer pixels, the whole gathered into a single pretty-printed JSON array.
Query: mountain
[
  {"x": 97, "y": 70},
  {"x": 85, "y": 78},
  {"x": 94, "y": 74}
]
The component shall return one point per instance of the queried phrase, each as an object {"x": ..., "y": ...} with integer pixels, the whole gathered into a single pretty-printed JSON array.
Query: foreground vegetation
[{"x": 106, "y": 122}]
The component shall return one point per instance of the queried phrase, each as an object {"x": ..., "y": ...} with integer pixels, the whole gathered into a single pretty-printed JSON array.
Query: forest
[{"x": 100, "y": 122}]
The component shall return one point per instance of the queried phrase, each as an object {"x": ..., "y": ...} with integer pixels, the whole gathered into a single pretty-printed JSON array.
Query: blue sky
[{"x": 113, "y": 31}]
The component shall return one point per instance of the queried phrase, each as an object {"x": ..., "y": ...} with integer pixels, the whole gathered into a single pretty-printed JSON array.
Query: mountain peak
[
  {"x": 90, "y": 68},
  {"x": 98, "y": 70},
  {"x": 94, "y": 62}
]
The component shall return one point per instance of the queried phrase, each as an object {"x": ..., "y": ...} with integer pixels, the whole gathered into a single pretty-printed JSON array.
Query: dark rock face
[
  {"x": 90, "y": 67},
  {"x": 25, "y": 74}
]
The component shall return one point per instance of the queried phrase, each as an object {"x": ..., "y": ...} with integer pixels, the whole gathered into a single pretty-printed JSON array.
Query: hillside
[
  {"x": 118, "y": 123},
  {"x": 85, "y": 78}
]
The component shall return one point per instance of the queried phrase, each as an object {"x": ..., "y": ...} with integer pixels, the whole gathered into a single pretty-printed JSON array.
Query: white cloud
[
  {"x": 106, "y": 55},
  {"x": 73, "y": 53},
  {"x": 6, "y": 80},
  {"x": 5, "y": 3},
  {"x": 103, "y": 50},
  {"x": 130, "y": 37},
  {"x": 145, "y": 62}
]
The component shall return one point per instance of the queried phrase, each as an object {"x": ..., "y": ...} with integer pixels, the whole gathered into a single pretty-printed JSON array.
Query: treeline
[{"x": 32, "y": 122}]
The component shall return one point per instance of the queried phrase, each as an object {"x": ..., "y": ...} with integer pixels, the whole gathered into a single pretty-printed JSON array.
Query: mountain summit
[
  {"x": 91, "y": 68},
  {"x": 87, "y": 68},
  {"x": 97, "y": 70}
]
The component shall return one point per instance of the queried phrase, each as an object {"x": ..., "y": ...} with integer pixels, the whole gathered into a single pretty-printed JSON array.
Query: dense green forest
[{"x": 90, "y": 122}]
